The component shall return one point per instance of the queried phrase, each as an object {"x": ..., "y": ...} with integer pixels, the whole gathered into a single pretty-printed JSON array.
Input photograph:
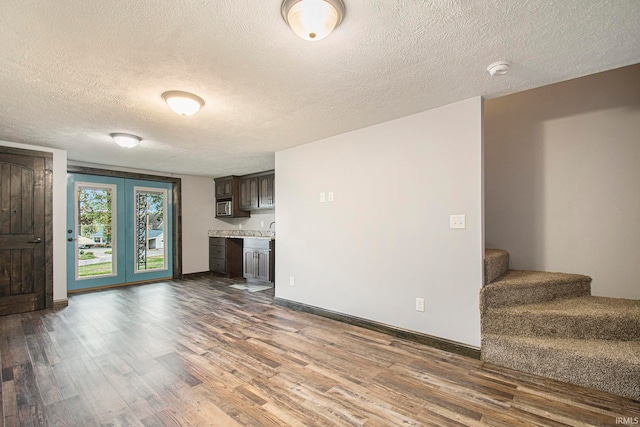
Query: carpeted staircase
[{"x": 548, "y": 324}]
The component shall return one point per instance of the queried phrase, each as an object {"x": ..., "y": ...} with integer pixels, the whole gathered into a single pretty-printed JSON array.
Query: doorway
[
  {"x": 119, "y": 231},
  {"x": 26, "y": 257}
]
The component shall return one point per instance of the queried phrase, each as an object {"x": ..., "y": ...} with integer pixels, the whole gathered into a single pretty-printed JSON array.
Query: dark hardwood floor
[{"x": 196, "y": 352}]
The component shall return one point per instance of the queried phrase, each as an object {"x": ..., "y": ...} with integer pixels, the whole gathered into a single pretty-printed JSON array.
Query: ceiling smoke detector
[{"x": 498, "y": 68}]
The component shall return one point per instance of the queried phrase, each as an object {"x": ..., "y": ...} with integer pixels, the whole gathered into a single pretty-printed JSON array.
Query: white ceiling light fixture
[
  {"x": 313, "y": 20},
  {"x": 498, "y": 68},
  {"x": 126, "y": 140},
  {"x": 183, "y": 103}
]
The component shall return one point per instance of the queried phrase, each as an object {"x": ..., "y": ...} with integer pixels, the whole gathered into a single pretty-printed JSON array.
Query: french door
[{"x": 118, "y": 231}]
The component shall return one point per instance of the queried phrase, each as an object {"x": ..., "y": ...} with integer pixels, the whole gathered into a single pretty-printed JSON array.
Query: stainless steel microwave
[{"x": 224, "y": 209}]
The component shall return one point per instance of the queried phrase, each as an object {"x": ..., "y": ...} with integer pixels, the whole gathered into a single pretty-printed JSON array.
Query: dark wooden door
[
  {"x": 248, "y": 193},
  {"x": 249, "y": 264},
  {"x": 245, "y": 196},
  {"x": 224, "y": 188},
  {"x": 25, "y": 231},
  {"x": 262, "y": 264},
  {"x": 266, "y": 191}
]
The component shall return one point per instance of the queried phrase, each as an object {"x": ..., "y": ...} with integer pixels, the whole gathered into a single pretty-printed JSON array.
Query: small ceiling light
[
  {"x": 498, "y": 68},
  {"x": 313, "y": 20},
  {"x": 126, "y": 140},
  {"x": 183, "y": 103}
]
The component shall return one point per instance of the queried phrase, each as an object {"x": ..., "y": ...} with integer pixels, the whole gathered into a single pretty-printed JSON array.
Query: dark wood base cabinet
[
  {"x": 225, "y": 256},
  {"x": 258, "y": 257}
]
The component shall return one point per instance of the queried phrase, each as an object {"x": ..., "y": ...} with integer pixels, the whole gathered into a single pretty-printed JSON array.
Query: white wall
[
  {"x": 385, "y": 240},
  {"x": 562, "y": 166},
  {"x": 198, "y": 200},
  {"x": 59, "y": 207},
  {"x": 259, "y": 220}
]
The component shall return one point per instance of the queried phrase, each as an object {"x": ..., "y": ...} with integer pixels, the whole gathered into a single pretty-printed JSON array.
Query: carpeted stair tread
[
  {"x": 586, "y": 317},
  {"x": 536, "y": 278},
  {"x": 518, "y": 287},
  {"x": 496, "y": 263},
  {"x": 612, "y": 366}
]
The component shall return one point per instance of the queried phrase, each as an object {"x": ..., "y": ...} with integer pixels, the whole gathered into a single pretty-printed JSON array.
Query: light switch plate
[
  {"x": 330, "y": 196},
  {"x": 457, "y": 221},
  {"x": 322, "y": 197}
]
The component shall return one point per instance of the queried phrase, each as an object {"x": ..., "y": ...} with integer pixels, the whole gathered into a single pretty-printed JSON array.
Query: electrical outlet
[
  {"x": 292, "y": 281},
  {"x": 261, "y": 223},
  {"x": 239, "y": 226},
  {"x": 457, "y": 221},
  {"x": 330, "y": 196},
  {"x": 419, "y": 304},
  {"x": 322, "y": 197}
]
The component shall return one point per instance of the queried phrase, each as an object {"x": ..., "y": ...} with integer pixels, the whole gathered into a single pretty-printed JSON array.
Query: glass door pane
[
  {"x": 95, "y": 242},
  {"x": 95, "y": 231},
  {"x": 150, "y": 232},
  {"x": 149, "y": 219}
]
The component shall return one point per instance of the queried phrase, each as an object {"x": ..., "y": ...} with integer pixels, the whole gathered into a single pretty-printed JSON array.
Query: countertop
[{"x": 243, "y": 234}]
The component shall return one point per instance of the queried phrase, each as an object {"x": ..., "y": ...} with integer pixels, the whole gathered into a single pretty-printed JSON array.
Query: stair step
[
  {"x": 611, "y": 366},
  {"x": 579, "y": 318},
  {"x": 519, "y": 287},
  {"x": 496, "y": 263}
]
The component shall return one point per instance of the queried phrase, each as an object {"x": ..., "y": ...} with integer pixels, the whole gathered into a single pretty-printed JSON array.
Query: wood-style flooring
[{"x": 196, "y": 352}]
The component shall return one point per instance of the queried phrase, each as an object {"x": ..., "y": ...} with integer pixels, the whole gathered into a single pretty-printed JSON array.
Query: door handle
[{"x": 38, "y": 240}]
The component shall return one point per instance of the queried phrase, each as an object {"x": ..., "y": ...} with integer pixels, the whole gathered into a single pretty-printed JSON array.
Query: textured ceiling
[{"x": 73, "y": 71}]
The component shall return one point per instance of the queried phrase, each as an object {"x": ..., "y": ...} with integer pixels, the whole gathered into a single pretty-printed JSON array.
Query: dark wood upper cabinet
[
  {"x": 257, "y": 191},
  {"x": 249, "y": 193},
  {"x": 224, "y": 188},
  {"x": 228, "y": 190},
  {"x": 266, "y": 191}
]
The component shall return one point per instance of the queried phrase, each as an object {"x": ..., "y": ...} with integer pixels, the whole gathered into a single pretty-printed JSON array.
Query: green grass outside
[
  {"x": 94, "y": 269},
  {"x": 105, "y": 267},
  {"x": 87, "y": 255},
  {"x": 154, "y": 262}
]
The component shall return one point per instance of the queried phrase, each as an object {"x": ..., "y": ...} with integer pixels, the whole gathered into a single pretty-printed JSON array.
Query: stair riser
[
  {"x": 496, "y": 263},
  {"x": 561, "y": 326},
  {"x": 599, "y": 373},
  {"x": 498, "y": 297}
]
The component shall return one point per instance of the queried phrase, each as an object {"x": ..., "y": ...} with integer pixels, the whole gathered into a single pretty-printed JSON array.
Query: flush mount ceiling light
[
  {"x": 498, "y": 68},
  {"x": 313, "y": 20},
  {"x": 183, "y": 103},
  {"x": 126, "y": 140}
]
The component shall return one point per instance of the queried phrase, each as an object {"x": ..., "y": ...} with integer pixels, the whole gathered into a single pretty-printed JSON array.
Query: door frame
[
  {"x": 176, "y": 189},
  {"x": 48, "y": 215}
]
